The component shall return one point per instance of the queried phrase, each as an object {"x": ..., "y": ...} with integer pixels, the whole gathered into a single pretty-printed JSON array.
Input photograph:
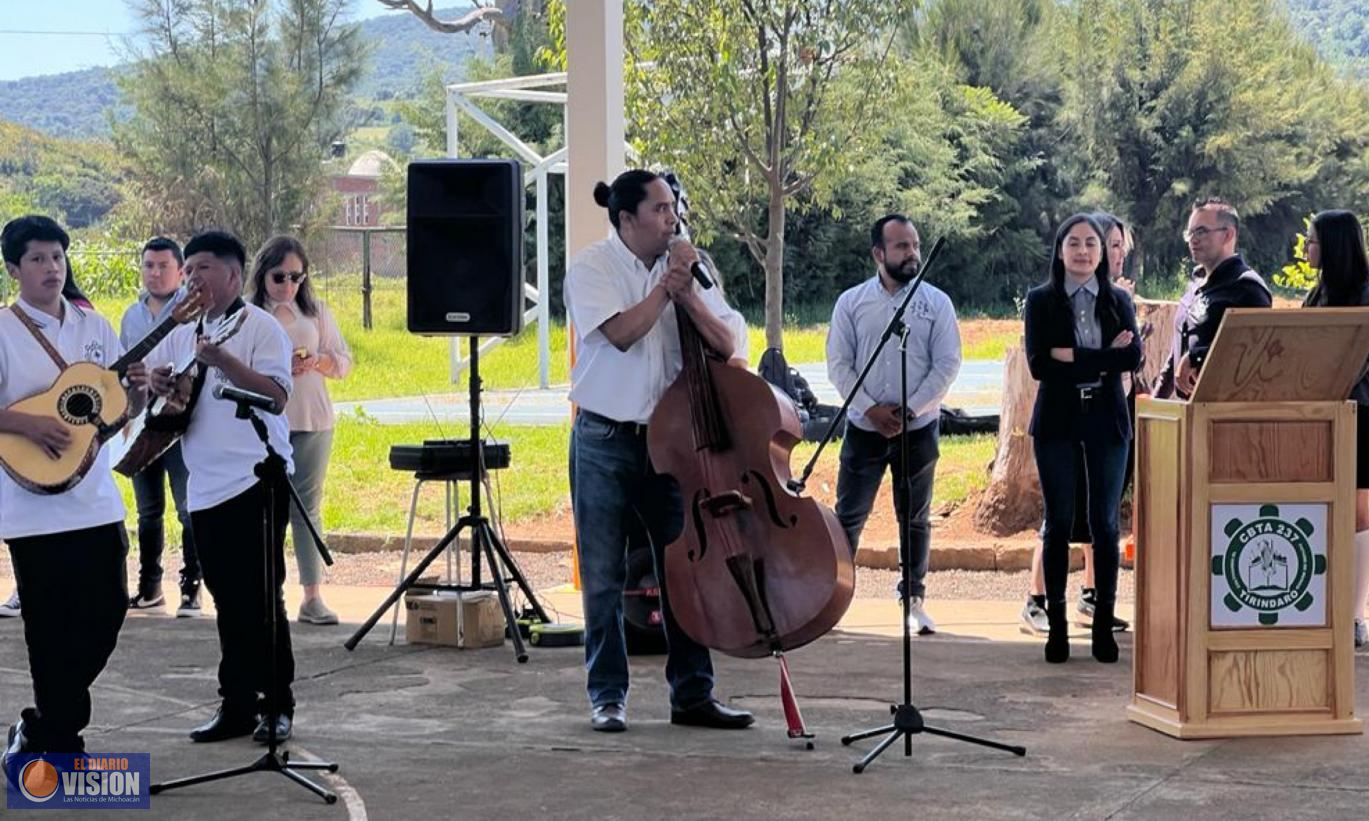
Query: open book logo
[{"x": 1268, "y": 564}]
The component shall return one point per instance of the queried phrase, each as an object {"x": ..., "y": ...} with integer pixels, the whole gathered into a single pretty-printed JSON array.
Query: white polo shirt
[
  {"x": 25, "y": 370},
  {"x": 606, "y": 279},
  {"x": 220, "y": 450}
]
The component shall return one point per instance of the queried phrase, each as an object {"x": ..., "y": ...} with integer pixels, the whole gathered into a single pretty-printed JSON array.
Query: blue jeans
[
  {"x": 611, "y": 482},
  {"x": 865, "y": 456},
  {"x": 311, "y": 450},
  {"x": 1105, "y": 468},
  {"x": 149, "y": 491}
]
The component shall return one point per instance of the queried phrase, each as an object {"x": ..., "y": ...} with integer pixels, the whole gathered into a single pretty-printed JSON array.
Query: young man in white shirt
[
  {"x": 163, "y": 277},
  {"x": 622, "y": 294},
  {"x": 68, "y": 549},
  {"x": 871, "y": 445},
  {"x": 227, "y": 502}
]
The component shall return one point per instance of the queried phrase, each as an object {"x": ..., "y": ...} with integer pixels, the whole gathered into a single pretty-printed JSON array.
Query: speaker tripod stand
[{"x": 485, "y": 544}]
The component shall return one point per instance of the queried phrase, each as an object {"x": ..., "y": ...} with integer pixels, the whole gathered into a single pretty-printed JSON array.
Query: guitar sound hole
[{"x": 78, "y": 406}]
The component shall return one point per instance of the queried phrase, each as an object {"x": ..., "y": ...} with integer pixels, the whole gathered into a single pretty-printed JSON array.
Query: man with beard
[{"x": 871, "y": 444}]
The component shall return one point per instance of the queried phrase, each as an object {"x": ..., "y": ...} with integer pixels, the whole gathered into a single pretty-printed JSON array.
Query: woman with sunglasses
[
  {"x": 1080, "y": 338},
  {"x": 1335, "y": 247},
  {"x": 280, "y": 284}
]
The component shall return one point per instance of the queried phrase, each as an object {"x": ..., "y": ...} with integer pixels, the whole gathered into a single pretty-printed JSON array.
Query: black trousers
[
  {"x": 74, "y": 595},
  {"x": 229, "y": 539}
]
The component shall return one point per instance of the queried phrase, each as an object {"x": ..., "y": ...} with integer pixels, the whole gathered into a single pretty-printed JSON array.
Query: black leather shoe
[
  {"x": 225, "y": 724},
  {"x": 609, "y": 718},
  {"x": 284, "y": 724},
  {"x": 713, "y": 714}
]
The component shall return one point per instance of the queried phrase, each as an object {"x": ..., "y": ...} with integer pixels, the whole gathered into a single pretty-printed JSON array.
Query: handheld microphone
[
  {"x": 247, "y": 398},
  {"x": 701, "y": 275}
]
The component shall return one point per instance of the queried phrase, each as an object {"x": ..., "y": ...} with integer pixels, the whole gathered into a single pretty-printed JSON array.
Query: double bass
[{"x": 757, "y": 569}]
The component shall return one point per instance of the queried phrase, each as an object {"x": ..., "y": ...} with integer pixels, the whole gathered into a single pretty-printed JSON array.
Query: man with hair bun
[{"x": 622, "y": 294}]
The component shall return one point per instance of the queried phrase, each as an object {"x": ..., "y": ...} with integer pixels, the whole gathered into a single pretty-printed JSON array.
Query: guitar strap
[{"x": 37, "y": 332}]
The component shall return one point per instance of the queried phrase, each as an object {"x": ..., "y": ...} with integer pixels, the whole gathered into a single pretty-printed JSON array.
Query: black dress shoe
[
  {"x": 225, "y": 724},
  {"x": 609, "y": 718},
  {"x": 713, "y": 714},
  {"x": 284, "y": 724}
]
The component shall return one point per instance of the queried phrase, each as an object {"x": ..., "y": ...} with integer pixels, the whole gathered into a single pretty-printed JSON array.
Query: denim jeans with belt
[
  {"x": 1105, "y": 466},
  {"x": 865, "y": 456},
  {"x": 612, "y": 481}
]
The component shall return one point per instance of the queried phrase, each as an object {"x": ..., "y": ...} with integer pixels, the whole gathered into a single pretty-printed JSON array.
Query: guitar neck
[{"x": 144, "y": 346}]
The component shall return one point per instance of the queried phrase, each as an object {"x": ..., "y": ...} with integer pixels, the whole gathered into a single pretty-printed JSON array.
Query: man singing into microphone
[
  {"x": 875, "y": 420},
  {"x": 623, "y": 294},
  {"x": 226, "y": 500}
]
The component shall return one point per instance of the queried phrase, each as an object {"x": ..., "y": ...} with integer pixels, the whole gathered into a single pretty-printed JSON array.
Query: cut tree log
[{"x": 1012, "y": 501}]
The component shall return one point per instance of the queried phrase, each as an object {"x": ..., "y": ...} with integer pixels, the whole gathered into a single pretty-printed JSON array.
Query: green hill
[
  {"x": 76, "y": 180},
  {"x": 1339, "y": 29},
  {"x": 78, "y": 104}
]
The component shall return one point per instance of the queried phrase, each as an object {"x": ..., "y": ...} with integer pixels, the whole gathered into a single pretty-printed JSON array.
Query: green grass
[
  {"x": 990, "y": 347},
  {"x": 365, "y": 495}
]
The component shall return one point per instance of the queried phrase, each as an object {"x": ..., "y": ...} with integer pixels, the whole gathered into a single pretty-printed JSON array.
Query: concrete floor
[{"x": 425, "y": 732}]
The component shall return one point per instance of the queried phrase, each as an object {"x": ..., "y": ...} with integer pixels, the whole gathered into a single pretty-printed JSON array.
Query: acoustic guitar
[
  {"x": 90, "y": 401},
  {"x": 153, "y": 432}
]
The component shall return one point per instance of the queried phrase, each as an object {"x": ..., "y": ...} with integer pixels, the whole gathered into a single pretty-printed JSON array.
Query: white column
[{"x": 594, "y": 113}]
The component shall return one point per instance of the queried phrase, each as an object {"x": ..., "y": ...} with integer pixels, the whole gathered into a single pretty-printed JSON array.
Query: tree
[
  {"x": 497, "y": 14},
  {"x": 759, "y": 101},
  {"x": 233, "y": 106},
  {"x": 1178, "y": 99}
]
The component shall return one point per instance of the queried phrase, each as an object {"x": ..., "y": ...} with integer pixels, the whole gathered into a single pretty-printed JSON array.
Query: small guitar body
[
  {"x": 91, "y": 402},
  {"x": 158, "y": 428}
]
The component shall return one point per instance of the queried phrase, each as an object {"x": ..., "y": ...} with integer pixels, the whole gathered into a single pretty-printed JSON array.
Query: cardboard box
[{"x": 466, "y": 620}]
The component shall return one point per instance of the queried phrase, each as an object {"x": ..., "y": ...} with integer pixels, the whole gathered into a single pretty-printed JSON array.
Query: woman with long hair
[
  {"x": 280, "y": 284},
  {"x": 1080, "y": 338},
  {"x": 1335, "y": 247}
]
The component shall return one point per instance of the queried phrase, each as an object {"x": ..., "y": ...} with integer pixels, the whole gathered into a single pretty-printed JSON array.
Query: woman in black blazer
[{"x": 1080, "y": 338}]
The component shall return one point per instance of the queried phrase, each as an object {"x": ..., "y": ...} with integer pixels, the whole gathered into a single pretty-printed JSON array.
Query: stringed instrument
[
  {"x": 758, "y": 569},
  {"x": 154, "y": 431},
  {"x": 90, "y": 401}
]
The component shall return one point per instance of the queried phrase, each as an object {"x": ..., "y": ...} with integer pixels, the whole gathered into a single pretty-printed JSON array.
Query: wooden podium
[{"x": 1245, "y": 521}]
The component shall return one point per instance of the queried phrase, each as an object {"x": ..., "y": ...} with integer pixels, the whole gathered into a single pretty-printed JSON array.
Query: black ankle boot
[
  {"x": 1058, "y": 641},
  {"x": 1104, "y": 644}
]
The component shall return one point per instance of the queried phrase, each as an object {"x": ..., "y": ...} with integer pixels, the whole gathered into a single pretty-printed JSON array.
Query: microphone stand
[
  {"x": 908, "y": 719},
  {"x": 271, "y": 473}
]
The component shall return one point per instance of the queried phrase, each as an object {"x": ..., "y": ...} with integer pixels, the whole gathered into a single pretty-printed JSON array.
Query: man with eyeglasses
[{"x": 1213, "y": 228}]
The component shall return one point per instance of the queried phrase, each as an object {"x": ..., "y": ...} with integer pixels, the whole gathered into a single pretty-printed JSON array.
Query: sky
[{"x": 53, "y": 36}]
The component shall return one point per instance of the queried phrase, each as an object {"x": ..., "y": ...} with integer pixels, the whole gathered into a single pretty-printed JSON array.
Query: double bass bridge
[{"x": 723, "y": 504}]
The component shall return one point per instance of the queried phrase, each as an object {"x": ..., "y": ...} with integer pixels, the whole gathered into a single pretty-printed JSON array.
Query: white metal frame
[{"x": 460, "y": 99}]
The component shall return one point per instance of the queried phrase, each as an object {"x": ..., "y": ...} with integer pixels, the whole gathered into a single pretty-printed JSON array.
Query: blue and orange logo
[{"x": 49, "y": 781}]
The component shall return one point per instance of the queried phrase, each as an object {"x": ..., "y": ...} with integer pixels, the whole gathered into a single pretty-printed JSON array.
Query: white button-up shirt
[
  {"x": 25, "y": 370},
  {"x": 858, "y": 320},
  {"x": 606, "y": 279}
]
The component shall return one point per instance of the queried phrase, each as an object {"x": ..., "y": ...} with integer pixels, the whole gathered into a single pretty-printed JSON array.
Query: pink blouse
[{"x": 309, "y": 408}]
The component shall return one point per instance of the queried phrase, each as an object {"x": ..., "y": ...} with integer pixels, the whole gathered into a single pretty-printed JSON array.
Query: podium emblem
[{"x": 1269, "y": 569}]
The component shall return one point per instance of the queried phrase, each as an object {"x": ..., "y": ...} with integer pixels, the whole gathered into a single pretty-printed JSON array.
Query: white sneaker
[
  {"x": 10, "y": 609},
  {"x": 1034, "y": 621},
  {"x": 918, "y": 621},
  {"x": 315, "y": 611}
]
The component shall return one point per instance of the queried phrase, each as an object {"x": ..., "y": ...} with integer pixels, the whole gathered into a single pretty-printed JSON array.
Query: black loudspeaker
[{"x": 465, "y": 238}]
